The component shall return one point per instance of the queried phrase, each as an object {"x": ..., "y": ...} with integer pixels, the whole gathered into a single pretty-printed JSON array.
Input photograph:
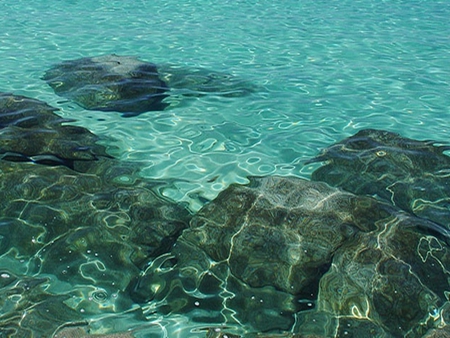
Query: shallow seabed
[{"x": 324, "y": 70}]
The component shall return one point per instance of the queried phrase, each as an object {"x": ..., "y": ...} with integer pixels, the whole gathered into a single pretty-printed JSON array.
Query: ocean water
[{"x": 324, "y": 70}]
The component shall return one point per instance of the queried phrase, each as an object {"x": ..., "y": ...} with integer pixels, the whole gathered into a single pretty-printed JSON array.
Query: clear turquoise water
[{"x": 326, "y": 70}]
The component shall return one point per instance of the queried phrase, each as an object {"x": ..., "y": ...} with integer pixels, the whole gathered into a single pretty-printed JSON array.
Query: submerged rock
[
  {"x": 82, "y": 331},
  {"x": 286, "y": 254},
  {"x": 395, "y": 277},
  {"x": 130, "y": 86},
  {"x": 62, "y": 220},
  {"x": 32, "y": 132},
  {"x": 28, "y": 310},
  {"x": 84, "y": 222},
  {"x": 443, "y": 332},
  {"x": 413, "y": 175},
  {"x": 281, "y": 255},
  {"x": 109, "y": 83},
  {"x": 277, "y": 231}
]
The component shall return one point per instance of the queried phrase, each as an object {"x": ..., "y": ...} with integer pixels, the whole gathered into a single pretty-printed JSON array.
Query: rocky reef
[
  {"x": 412, "y": 175},
  {"x": 360, "y": 250}
]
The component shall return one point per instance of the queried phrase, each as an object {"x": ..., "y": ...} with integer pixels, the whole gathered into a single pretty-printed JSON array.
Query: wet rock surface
[{"x": 282, "y": 247}]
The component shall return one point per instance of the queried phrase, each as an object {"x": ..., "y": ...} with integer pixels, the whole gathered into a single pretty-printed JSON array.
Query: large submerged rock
[
  {"x": 413, "y": 175},
  {"x": 128, "y": 85},
  {"x": 395, "y": 277},
  {"x": 283, "y": 253}
]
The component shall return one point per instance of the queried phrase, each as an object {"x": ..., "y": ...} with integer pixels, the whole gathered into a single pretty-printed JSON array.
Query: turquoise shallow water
[{"x": 324, "y": 70}]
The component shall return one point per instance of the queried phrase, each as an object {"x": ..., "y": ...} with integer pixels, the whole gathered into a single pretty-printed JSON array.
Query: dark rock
[
  {"x": 109, "y": 83},
  {"x": 130, "y": 86},
  {"x": 28, "y": 310},
  {"x": 87, "y": 228},
  {"x": 65, "y": 207},
  {"x": 413, "y": 175},
  {"x": 32, "y": 132},
  {"x": 282, "y": 247},
  {"x": 394, "y": 277}
]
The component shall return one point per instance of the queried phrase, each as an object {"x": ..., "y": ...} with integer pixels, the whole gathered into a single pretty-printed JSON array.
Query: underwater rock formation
[
  {"x": 130, "y": 86},
  {"x": 395, "y": 277},
  {"x": 82, "y": 237},
  {"x": 81, "y": 331},
  {"x": 109, "y": 83},
  {"x": 413, "y": 175},
  {"x": 282, "y": 248},
  {"x": 82, "y": 230},
  {"x": 84, "y": 221},
  {"x": 443, "y": 332},
  {"x": 276, "y": 231},
  {"x": 32, "y": 132},
  {"x": 31, "y": 307},
  {"x": 28, "y": 310}
]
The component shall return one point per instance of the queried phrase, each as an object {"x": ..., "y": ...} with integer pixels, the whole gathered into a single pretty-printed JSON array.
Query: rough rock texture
[
  {"x": 30, "y": 131},
  {"x": 283, "y": 246},
  {"x": 82, "y": 332},
  {"x": 82, "y": 237},
  {"x": 28, "y": 310},
  {"x": 411, "y": 174},
  {"x": 85, "y": 229},
  {"x": 395, "y": 277},
  {"x": 278, "y": 231}
]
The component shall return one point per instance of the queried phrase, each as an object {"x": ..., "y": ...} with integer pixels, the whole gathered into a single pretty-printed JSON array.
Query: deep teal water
[{"x": 326, "y": 69}]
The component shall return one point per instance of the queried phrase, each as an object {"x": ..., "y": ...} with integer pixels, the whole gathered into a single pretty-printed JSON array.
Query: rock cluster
[
  {"x": 360, "y": 250},
  {"x": 73, "y": 214}
]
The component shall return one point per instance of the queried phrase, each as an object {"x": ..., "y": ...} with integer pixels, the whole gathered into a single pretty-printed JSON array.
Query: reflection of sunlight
[{"x": 357, "y": 313}]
